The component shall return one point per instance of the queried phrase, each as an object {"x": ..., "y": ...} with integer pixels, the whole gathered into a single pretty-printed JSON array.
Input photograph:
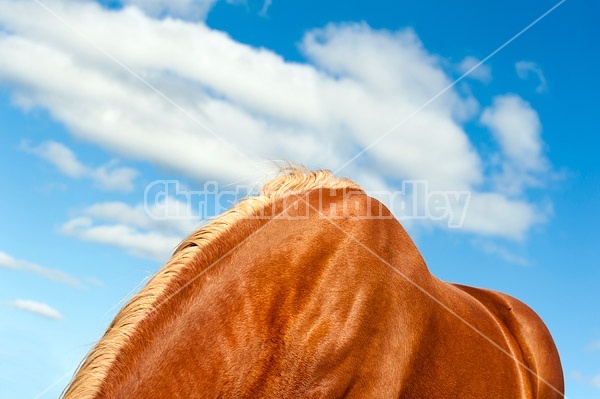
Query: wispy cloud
[
  {"x": 594, "y": 346},
  {"x": 108, "y": 177},
  {"x": 132, "y": 229},
  {"x": 37, "y": 308},
  {"x": 148, "y": 244},
  {"x": 95, "y": 281},
  {"x": 578, "y": 376},
  {"x": 265, "y": 8},
  {"x": 60, "y": 156},
  {"x": 482, "y": 73},
  {"x": 527, "y": 68},
  {"x": 177, "y": 217},
  {"x": 9, "y": 262},
  {"x": 500, "y": 251}
]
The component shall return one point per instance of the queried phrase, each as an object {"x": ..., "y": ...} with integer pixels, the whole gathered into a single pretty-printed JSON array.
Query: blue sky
[{"x": 97, "y": 101}]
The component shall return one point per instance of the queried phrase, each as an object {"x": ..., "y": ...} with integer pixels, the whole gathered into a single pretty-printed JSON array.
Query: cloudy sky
[{"x": 98, "y": 100}]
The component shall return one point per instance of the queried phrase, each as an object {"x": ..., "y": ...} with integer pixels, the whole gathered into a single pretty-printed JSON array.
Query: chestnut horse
[{"x": 313, "y": 290}]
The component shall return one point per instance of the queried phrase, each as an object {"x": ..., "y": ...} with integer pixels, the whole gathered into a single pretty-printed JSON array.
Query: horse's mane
[{"x": 96, "y": 366}]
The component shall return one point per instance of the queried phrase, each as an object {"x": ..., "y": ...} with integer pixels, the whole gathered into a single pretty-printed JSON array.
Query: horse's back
[{"x": 541, "y": 362}]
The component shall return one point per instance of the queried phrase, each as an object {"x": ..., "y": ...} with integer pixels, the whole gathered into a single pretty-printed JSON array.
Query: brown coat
[{"x": 305, "y": 292}]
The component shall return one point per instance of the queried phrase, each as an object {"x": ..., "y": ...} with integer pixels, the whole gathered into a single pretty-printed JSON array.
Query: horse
[{"x": 312, "y": 289}]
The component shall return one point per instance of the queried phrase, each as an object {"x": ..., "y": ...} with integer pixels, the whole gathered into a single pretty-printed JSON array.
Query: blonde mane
[{"x": 94, "y": 369}]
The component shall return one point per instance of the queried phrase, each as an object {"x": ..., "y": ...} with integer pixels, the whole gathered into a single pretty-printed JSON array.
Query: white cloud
[
  {"x": 95, "y": 281},
  {"x": 114, "y": 178},
  {"x": 482, "y": 73},
  {"x": 265, "y": 8},
  {"x": 108, "y": 177},
  {"x": 132, "y": 229},
  {"x": 577, "y": 376},
  {"x": 184, "y": 9},
  {"x": 151, "y": 245},
  {"x": 595, "y": 346},
  {"x": 492, "y": 214},
  {"x": 517, "y": 129},
  {"x": 177, "y": 217},
  {"x": 580, "y": 378},
  {"x": 37, "y": 308},
  {"x": 9, "y": 262},
  {"x": 59, "y": 155},
  {"x": 526, "y": 68},
  {"x": 502, "y": 252},
  {"x": 356, "y": 85}
]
